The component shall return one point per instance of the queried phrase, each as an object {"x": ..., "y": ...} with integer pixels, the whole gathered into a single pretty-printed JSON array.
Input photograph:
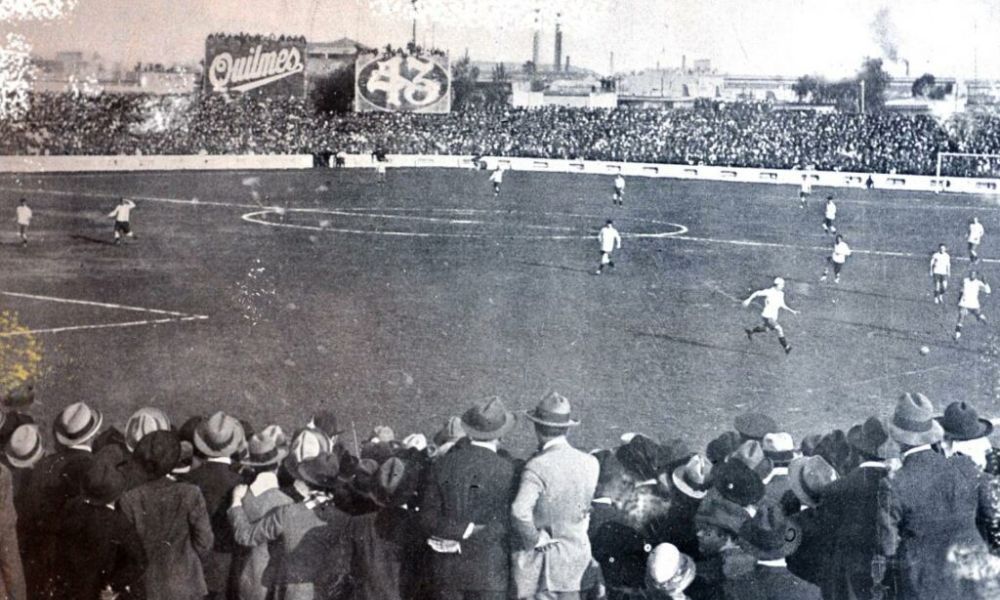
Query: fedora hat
[
  {"x": 263, "y": 451},
  {"x": 769, "y": 535},
  {"x": 24, "y": 448},
  {"x": 722, "y": 447},
  {"x": 552, "y": 411},
  {"x": 450, "y": 433},
  {"x": 276, "y": 433},
  {"x": 399, "y": 479},
  {"x": 668, "y": 569},
  {"x": 143, "y": 421},
  {"x": 319, "y": 472},
  {"x": 737, "y": 483},
  {"x": 417, "y": 441},
  {"x": 691, "y": 479},
  {"x": 488, "y": 421},
  {"x": 751, "y": 453},
  {"x": 807, "y": 477},
  {"x": 718, "y": 512},
  {"x": 326, "y": 422},
  {"x": 219, "y": 436},
  {"x": 913, "y": 421},
  {"x": 103, "y": 483},
  {"x": 754, "y": 425},
  {"x": 158, "y": 453},
  {"x": 961, "y": 422},
  {"x": 77, "y": 424},
  {"x": 870, "y": 438},
  {"x": 778, "y": 447},
  {"x": 307, "y": 444}
]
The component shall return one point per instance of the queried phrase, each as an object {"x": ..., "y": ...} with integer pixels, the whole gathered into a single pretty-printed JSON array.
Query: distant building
[{"x": 323, "y": 58}]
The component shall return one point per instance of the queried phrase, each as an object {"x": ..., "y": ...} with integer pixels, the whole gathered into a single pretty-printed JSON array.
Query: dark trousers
[{"x": 470, "y": 595}]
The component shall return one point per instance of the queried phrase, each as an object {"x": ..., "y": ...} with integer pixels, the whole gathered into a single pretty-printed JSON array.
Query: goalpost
[{"x": 968, "y": 164}]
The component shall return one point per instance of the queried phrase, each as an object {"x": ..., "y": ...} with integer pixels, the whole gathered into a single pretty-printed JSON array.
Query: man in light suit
[{"x": 551, "y": 512}]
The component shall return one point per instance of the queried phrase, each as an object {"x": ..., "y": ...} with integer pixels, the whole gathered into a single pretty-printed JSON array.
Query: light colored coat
[
  {"x": 250, "y": 568},
  {"x": 553, "y": 503}
]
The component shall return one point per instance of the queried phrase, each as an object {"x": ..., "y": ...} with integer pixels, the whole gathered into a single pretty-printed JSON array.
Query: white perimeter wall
[
  {"x": 778, "y": 176},
  {"x": 55, "y": 164}
]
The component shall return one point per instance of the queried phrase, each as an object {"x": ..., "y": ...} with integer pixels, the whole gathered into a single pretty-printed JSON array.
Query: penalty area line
[{"x": 92, "y": 303}]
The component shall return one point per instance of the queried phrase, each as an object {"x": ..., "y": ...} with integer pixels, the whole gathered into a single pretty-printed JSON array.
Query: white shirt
[
  {"x": 970, "y": 293},
  {"x": 122, "y": 211},
  {"x": 916, "y": 449},
  {"x": 941, "y": 263},
  {"x": 807, "y": 186},
  {"x": 840, "y": 252},
  {"x": 609, "y": 238},
  {"x": 976, "y": 232},
  {"x": 619, "y": 183},
  {"x": 497, "y": 176},
  {"x": 831, "y": 210},
  {"x": 774, "y": 301},
  {"x": 23, "y": 215}
]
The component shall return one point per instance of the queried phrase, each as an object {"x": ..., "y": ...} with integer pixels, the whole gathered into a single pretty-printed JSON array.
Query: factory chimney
[
  {"x": 558, "y": 58},
  {"x": 536, "y": 42}
]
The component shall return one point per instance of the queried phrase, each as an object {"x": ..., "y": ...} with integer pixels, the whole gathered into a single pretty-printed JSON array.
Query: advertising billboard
[
  {"x": 402, "y": 83},
  {"x": 241, "y": 63}
]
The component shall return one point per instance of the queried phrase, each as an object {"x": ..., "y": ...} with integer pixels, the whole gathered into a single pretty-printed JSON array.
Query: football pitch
[{"x": 273, "y": 294}]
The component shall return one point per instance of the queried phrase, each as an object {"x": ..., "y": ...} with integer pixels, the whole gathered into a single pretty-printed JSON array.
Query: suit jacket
[
  {"x": 470, "y": 484},
  {"x": 173, "y": 526},
  {"x": 853, "y": 506},
  {"x": 810, "y": 560},
  {"x": 100, "y": 548},
  {"x": 55, "y": 481},
  {"x": 250, "y": 567},
  {"x": 770, "y": 583},
  {"x": 553, "y": 504},
  {"x": 384, "y": 551},
  {"x": 931, "y": 504},
  {"x": 216, "y": 481},
  {"x": 12, "y": 583},
  {"x": 307, "y": 538}
]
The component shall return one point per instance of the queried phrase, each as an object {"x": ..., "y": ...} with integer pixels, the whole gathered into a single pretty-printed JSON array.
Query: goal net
[{"x": 968, "y": 164}]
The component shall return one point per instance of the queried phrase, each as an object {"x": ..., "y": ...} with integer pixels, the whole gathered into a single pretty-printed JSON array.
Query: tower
[
  {"x": 536, "y": 42},
  {"x": 557, "y": 63}
]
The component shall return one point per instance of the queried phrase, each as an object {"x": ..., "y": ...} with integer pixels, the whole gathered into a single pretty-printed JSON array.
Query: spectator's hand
[{"x": 238, "y": 493}]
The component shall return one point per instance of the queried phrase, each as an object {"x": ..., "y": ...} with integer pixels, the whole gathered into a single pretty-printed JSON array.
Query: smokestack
[
  {"x": 536, "y": 42},
  {"x": 684, "y": 62},
  {"x": 907, "y": 64},
  {"x": 567, "y": 64},
  {"x": 558, "y": 58}
]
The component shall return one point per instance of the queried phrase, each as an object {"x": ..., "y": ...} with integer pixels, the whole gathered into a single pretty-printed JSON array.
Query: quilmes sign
[
  {"x": 402, "y": 83},
  {"x": 252, "y": 63}
]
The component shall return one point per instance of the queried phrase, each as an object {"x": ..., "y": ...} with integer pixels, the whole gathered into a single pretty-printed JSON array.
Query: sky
[{"x": 782, "y": 37}]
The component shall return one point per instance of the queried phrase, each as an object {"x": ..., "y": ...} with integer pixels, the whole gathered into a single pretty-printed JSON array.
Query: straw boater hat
[
  {"x": 913, "y": 421},
  {"x": 807, "y": 477},
  {"x": 219, "y": 436},
  {"x": 488, "y": 421},
  {"x": 669, "y": 570},
  {"x": 961, "y": 422},
  {"x": 24, "y": 448},
  {"x": 779, "y": 448},
  {"x": 553, "y": 411},
  {"x": 77, "y": 424},
  {"x": 143, "y": 421}
]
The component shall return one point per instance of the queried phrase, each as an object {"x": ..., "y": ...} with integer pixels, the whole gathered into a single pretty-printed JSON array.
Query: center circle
[{"x": 458, "y": 223}]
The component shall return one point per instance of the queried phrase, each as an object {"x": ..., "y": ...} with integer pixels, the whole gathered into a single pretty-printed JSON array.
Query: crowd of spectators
[
  {"x": 736, "y": 135},
  {"x": 255, "y": 38},
  {"x": 213, "y": 507}
]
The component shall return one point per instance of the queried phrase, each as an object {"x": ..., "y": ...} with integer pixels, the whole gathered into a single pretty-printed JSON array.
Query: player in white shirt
[
  {"x": 122, "y": 214},
  {"x": 839, "y": 256},
  {"x": 976, "y": 232},
  {"x": 496, "y": 178},
  {"x": 829, "y": 216},
  {"x": 23, "y": 220},
  {"x": 378, "y": 156},
  {"x": 774, "y": 301},
  {"x": 969, "y": 301},
  {"x": 610, "y": 241},
  {"x": 805, "y": 190},
  {"x": 619, "y": 196},
  {"x": 940, "y": 270}
]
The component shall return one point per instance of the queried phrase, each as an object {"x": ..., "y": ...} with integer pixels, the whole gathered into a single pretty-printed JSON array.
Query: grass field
[{"x": 402, "y": 303}]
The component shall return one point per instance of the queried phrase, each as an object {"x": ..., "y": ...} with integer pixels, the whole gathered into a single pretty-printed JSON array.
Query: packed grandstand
[{"x": 734, "y": 135}]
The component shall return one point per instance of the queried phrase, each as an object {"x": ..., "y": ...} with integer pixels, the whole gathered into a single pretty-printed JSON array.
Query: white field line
[
  {"x": 92, "y": 303},
  {"x": 106, "y": 325},
  {"x": 881, "y": 378},
  {"x": 117, "y": 195}
]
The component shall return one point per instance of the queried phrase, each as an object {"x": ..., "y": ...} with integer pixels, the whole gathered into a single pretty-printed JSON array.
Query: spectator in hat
[
  {"x": 172, "y": 523},
  {"x": 835, "y": 449},
  {"x": 384, "y": 549},
  {"x": 448, "y": 436},
  {"x": 216, "y": 440},
  {"x": 754, "y": 426},
  {"x": 779, "y": 450},
  {"x": 668, "y": 573},
  {"x": 22, "y": 452},
  {"x": 854, "y": 506},
  {"x": 264, "y": 456},
  {"x": 717, "y": 526},
  {"x": 12, "y": 582},
  {"x": 770, "y": 537},
  {"x": 326, "y": 421},
  {"x": 308, "y": 443},
  {"x": 808, "y": 478},
  {"x": 306, "y": 532},
  {"x": 722, "y": 447},
  {"x": 465, "y": 508},
  {"x": 622, "y": 552},
  {"x": 688, "y": 485},
  {"x": 551, "y": 510},
  {"x": 965, "y": 433},
  {"x": 55, "y": 481},
  {"x": 930, "y": 504},
  {"x": 360, "y": 498},
  {"x": 143, "y": 421},
  {"x": 751, "y": 454},
  {"x": 101, "y": 549},
  {"x": 640, "y": 497},
  {"x": 10, "y": 420}
]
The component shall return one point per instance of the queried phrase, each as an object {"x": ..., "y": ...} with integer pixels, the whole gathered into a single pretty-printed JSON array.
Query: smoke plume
[{"x": 885, "y": 34}]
